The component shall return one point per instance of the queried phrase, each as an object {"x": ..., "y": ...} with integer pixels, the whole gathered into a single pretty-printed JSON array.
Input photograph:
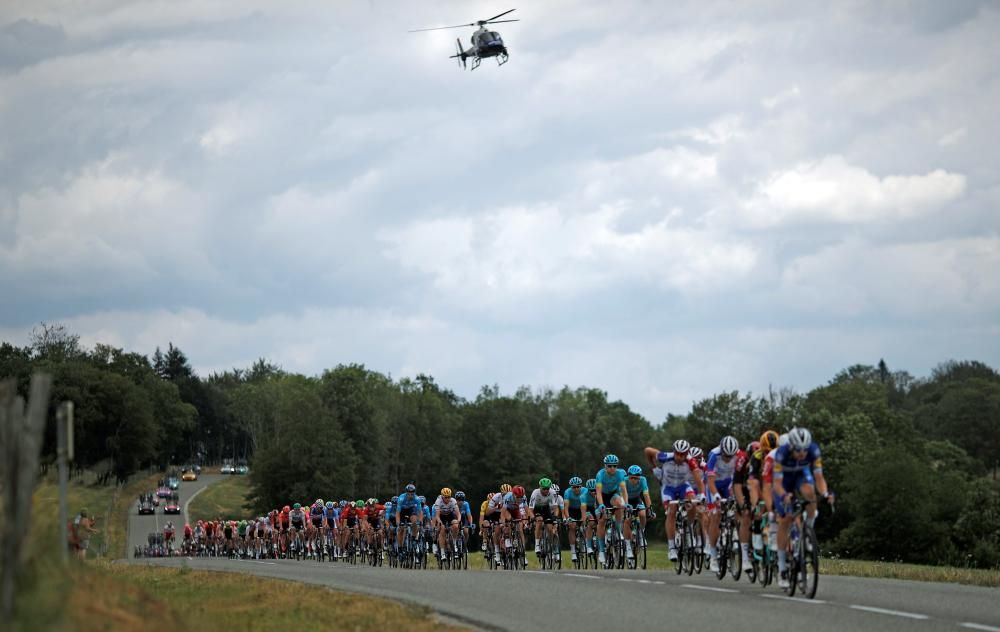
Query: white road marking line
[
  {"x": 188, "y": 501},
  {"x": 795, "y": 599},
  {"x": 712, "y": 588},
  {"x": 540, "y": 572},
  {"x": 625, "y": 579},
  {"x": 659, "y": 582},
  {"x": 979, "y": 626},
  {"x": 644, "y": 581},
  {"x": 895, "y": 613},
  {"x": 583, "y": 576}
]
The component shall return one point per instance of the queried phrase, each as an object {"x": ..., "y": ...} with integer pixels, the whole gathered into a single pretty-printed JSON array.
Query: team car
[
  {"x": 146, "y": 507},
  {"x": 189, "y": 475},
  {"x": 173, "y": 482},
  {"x": 173, "y": 504},
  {"x": 163, "y": 491}
]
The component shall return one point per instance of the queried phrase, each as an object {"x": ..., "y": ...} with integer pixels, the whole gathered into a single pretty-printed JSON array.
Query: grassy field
[
  {"x": 225, "y": 498},
  {"x": 126, "y": 597}
]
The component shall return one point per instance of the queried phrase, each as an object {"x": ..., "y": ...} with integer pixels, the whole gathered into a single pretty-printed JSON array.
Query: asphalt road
[
  {"x": 139, "y": 527},
  {"x": 590, "y": 600}
]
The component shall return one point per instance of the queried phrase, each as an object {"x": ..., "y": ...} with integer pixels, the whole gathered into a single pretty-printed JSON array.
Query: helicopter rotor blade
[
  {"x": 441, "y": 28},
  {"x": 500, "y": 21},
  {"x": 501, "y": 15}
]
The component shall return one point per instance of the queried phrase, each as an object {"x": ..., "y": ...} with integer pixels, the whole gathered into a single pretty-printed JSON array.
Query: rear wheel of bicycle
[{"x": 681, "y": 550}]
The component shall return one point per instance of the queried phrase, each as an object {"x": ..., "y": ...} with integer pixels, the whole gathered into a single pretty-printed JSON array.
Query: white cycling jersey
[
  {"x": 673, "y": 474},
  {"x": 540, "y": 499},
  {"x": 445, "y": 505}
]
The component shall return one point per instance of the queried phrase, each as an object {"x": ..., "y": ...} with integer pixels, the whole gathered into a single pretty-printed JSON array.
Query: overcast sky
[{"x": 661, "y": 199}]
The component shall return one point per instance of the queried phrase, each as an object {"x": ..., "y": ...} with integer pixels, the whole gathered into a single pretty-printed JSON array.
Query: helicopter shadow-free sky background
[{"x": 663, "y": 200}]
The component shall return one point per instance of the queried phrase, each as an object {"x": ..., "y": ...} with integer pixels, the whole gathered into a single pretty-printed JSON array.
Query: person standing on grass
[{"x": 84, "y": 527}]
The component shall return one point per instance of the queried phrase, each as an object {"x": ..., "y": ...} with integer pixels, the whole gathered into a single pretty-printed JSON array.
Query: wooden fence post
[{"x": 20, "y": 445}]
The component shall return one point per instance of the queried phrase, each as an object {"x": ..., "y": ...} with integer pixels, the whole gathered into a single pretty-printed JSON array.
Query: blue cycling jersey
[
  {"x": 464, "y": 509},
  {"x": 389, "y": 509},
  {"x": 409, "y": 501},
  {"x": 785, "y": 461},
  {"x": 575, "y": 499},
  {"x": 610, "y": 484},
  {"x": 635, "y": 489},
  {"x": 332, "y": 514}
]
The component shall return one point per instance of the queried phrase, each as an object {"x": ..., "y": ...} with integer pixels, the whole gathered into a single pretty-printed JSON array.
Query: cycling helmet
[
  {"x": 297, "y": 506},
  {"x": 395, "y": 498},
  {"x": 545, "y": 483},
  {"x": 661, "y": 456},
  {"x": 287, "y": 509},
  {"x": 681, "y": 446},
  {"x": 555, "y": 489},
  {"x": 769, "y": 440},
  {"x": 576, "y": 481},
  {"x": 729, "y": 445},
  {"x": 634, "y": 470},
  {"x": 446, "y": 492},
  {"x": 753, "y": 447},
  {"x": 505, "y": 488},
  {"x": 343, "y": 503},
  {"x": 459, "y": 495},
  {"x": 591, "y": 484},
  {"x": 360, "y": 504},
  {"x": 696, "y": 453},
  {"x": 611, "y": 459},
  {"x": 799, "y": 439},
  {"x": 319, "y": 501},
  {"x": 422, "y": 499},
  {"x": 518, "y": 490},
  {"x": 411, "y": 488},
  {"x": 330, "y": 504},
  {"x": 372, "y": 501}
]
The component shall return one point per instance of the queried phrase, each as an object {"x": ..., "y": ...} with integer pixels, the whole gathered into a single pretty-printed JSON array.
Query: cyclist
[
  {"x": 483, "y": 508},
  {"x": 168, "y": 536},
  {"x": 575, "y": 508},
  {"x": 188, "y": 536},
  {"x": 745, "y": 498},
  {"x": 465, "y": 511},
  {"x": 798, "y": 467},
  {"x": 446, "y": 514},
  {"x": 722, "y": 463},
  {"x": 676, "y": 472},
  {"x": 611, "y": 494},
  {"x": 408, "y": 509},
  {"x": 638, "y": 497},
  {"x": 543, "y": 508},
  {"x": 510, "y": 513},
  {"x": 493, "y": 513}
]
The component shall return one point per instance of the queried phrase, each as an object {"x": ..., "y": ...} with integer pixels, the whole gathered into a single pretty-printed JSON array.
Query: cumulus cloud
[
  {"x": 512, "y": 254},
  {"x": 831, "y": 190}
]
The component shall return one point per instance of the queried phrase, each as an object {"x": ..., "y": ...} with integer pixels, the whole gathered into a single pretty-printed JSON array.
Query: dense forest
[{"x": 913, "y": 461}]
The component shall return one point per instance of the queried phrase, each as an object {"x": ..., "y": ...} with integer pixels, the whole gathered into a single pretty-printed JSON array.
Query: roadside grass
[
  {"x": 130, "y": 597},
  {"x": 225, "y": 498}
]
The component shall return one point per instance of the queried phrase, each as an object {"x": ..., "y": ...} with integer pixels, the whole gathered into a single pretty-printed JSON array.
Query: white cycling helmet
[
  {"x": 799, "y": 439},
  {"x": 681, "y": 446},
  {"x": 729, "y": 446}
]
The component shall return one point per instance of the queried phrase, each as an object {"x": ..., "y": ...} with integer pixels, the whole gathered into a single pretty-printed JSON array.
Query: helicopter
[{"x": 485, "y": 43}]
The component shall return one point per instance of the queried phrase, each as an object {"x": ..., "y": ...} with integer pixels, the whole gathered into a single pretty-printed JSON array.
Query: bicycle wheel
[
  {"x": 809, "y": 566},
  {"x": 725, "y": 547},
  {"x": 680, "y": 546},
  {"x": 640, "y": 551},
  {"x": 735, "y": 553},
  {"x": 793, "y": 561}
]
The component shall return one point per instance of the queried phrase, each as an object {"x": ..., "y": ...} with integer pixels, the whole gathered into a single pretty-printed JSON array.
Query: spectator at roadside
[{"x": 83, "y": 526}]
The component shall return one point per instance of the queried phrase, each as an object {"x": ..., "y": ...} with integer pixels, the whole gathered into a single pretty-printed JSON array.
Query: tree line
[{"x": 913, "y": 461}]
